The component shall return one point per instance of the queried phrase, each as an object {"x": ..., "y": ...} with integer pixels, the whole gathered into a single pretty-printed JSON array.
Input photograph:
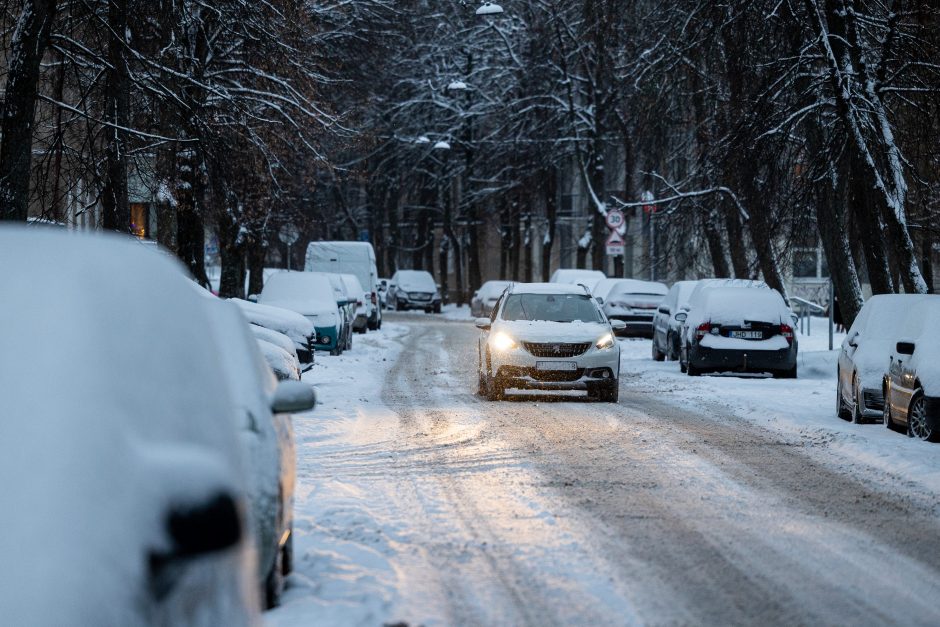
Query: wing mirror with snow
[
  {"x": 682, "y": 316},
  {"x": 293, "y": 396},
  {"x": 905, "y": 348},
  {"x": 599, "y": 299},
  {"x": 618, "y": 325},
  {"x": 483, "y": 324}
]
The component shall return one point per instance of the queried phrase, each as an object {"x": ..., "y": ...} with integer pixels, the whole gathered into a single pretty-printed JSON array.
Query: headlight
[
  {"x": 607, "y": 341},
  {"x": 502, "y": 342}
]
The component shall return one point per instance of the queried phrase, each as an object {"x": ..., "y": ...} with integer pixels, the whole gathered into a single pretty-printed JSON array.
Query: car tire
[
  {"x": 886, "y": 416},
  {"x": 399, "y": 306},
  {"x": 789, "y": 373},
  {"x": 672, "y": 348},
  {"x": 605, "y": 392},
  {"x": 692, "y": 371},
  {"x": 857, "y": 416},
  {"x": 437, "y": 308},
  {"x": 917, "y": 422},
  {"x": 657, "y": 355},
  {"x": 841, "y": 410}
]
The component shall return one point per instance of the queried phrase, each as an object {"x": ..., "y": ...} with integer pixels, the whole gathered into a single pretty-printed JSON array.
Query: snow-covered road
[{"x": 712, "y": 500}]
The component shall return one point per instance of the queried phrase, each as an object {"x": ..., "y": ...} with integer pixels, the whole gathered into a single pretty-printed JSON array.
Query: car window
[{"x": 551, "y": 308}]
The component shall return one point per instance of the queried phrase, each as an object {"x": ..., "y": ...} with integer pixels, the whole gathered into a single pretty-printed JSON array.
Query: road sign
[
  {"x": 289, "y": 234},
  {"x": 615, "y": 218},
  {"x": 615, "y": 244}
]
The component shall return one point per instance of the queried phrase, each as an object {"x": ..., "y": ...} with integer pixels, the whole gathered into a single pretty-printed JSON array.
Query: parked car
[
  {"x": 356, "y": 258},
  {"x": 548, "y": 336},
  {"x": 739, "y": 329},
  {"x": 697, "y": 296},
  {"x": 299, "y": 329},
  {"x": 481, "y": 305},
  {"x": 360, "y": 312},
  {"x": 632, "y": 302},
  {"x": 666, "y": 328},
  {"x": 264, "y": 409},
  {"x": 912, "y": 383},
  {"x": 587, "y": 278},
  {"x": 866, "y": 354},
  {"x": 124, "y": 481},
  {"x": 383, "y": 293},
  {"x": 346, "y": 303},
  {"x": 414, "y": 289},
  {"x": 279, "y": 340},
  {"x": 279, "y": 360},
  {"x": 312, "y": 296}
]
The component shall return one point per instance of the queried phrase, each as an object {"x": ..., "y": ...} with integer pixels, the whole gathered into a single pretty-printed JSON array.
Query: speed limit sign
[{"x": 615, "y": 218}]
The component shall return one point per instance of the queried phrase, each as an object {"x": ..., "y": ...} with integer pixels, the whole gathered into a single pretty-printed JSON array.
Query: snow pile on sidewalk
[
  {"x": 342, "y": 574},
  {"x": 804, "y": 407}
]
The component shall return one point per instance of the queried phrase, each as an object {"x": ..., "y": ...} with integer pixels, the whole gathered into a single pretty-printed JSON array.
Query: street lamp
[{"x": 489, "y": 8}]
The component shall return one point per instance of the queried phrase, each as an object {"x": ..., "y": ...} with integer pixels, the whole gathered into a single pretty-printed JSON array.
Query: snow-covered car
[
  {"x": 481, "y": 305},
  {"x": 124, "y": 480},
  {"x": 264, "y": 408},
  {"x": 281, "y": 341},
  {"x": 346, "y": 304},
  {"x": 356, "y": 258},
  {"x": 382, "y": 288},
  {"x": 299, "y": 329},
  {"x": 631, "y": 301},
  {"x": 574, "y": 276},
  {"x": 279, "y": 360},
  {"x": 548, "y": 336},
  {"x": 739, "y": 329},
  {"x": 361, "y": 312},
  {"x": 697, "y": 296},
  {"x": 666, "y": 328},
  {"x": 311, "y": 295},
  {"x": 912, "y": 383},
  {"x": 866, "y": 354},
  {"x": 414, "y": 289}
]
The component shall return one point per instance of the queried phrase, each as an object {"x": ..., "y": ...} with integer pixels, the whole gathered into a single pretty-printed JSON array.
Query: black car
[{"x": 739, "y": 329}]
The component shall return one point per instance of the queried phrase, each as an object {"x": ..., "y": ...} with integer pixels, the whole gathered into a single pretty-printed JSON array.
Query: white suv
[{"x": 549, "y": 336}]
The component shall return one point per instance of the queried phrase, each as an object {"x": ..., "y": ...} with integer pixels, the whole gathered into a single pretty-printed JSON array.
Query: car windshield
[{"x": 551, "y": 308}]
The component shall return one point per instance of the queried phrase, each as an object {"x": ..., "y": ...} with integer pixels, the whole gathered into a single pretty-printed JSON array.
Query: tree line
[{"x": 755, "y": 127}]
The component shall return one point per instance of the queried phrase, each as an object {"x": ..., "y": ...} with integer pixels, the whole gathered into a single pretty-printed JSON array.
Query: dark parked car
[
  {"x": 912, "y": 383},
  {"x": 414, "y": 289},
  {"x": 481, "y": 305},
  {"x": 739, "y": 329},
  {"x": 666, "y": 328}
]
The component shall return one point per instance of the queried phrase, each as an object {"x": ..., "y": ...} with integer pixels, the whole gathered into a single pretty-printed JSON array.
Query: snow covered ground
[
  {"x": 418, "y": 502},
  {"x": 804, "y": 406}
]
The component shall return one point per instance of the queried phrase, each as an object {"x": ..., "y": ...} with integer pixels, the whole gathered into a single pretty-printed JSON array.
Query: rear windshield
[{"x": 551, "y": 308}]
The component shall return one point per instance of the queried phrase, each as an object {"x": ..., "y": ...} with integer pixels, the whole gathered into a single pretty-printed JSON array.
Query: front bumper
[
  {"x": 326, "y": 338},
  {"x": 733, "y": 360},
  {"x": 636, "y": 324},
  {"x": 873, "y": 403},
  {"x": 517, "y": 368},
  {"x": 409, "y": 303}
]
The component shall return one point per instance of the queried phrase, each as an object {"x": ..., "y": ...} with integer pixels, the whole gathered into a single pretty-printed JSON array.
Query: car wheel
[
  {"x": 399, "y": 306},
  {"x": 692, "y": 371},
  {"x": 789, "y": 373},
  {"x": 672, "y": 348},
  {"x": 427, "y": 310},
  {"x": 605, "y": 392},
  {"x": 917, "y": 424},
  {"x": 857, "y": 416},
  {"x": 657, "y": 355},
  {"x": 437, "y": 308},
  {"x": 841, "y": 410},
  {"x": 886, "y": 413}
]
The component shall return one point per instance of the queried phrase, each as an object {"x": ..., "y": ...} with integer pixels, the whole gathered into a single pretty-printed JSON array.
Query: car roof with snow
[{"x": 546, "y": 288}]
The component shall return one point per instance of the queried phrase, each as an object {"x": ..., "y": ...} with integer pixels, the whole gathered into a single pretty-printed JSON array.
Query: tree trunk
[
  {"x": 256, "y": 255},
  {"x": 830, "y": 220},
  {"x": 116, "y": 211},
  {"x": 716, "y": 248},
  {"x": 27, "y": 48},
  {"x": 736, "y": 244},
  {"x": 551, "y": 213}
]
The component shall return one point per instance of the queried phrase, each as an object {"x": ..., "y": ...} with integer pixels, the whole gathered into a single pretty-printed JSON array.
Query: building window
[{"x": 810, "y": 263}]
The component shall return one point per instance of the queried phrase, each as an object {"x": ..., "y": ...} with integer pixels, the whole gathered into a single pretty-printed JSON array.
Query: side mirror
[
  {"x": 599, "y": 299},
  {"x": 483, "y": 324},
  {"x": 293, "y": 396},
  {"x": 194, "y": 530},
  {"x": 618, "y": 325},
  {"x": 905, "y": 348},
  {"x": 253, "y": 298},
  {"x": 664, "y": 310},
  {"x": 682, "y": 316}
]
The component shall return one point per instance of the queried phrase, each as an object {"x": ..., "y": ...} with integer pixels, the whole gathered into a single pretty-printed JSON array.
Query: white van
[{"x": 356, "y": 258}]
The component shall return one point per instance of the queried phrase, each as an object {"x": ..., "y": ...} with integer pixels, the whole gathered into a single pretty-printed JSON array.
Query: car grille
[
  {"x": 556, "y": 349},
  {"x": 420, "y": 296}
]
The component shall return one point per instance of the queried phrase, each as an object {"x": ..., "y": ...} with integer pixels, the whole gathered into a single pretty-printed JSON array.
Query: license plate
[
  {"x": 746, "y": 335},
  {"x": 566, "y": 366}
]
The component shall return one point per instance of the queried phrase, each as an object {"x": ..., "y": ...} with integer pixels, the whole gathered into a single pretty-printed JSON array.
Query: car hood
[{"x": 541, "y": 331}]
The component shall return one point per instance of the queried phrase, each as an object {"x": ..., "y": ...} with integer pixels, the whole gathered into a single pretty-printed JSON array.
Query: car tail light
[
  {"x": 787, "y": 331},
  {"x": 702, "y": 329},
  {"x": 375, "y": 298}
]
